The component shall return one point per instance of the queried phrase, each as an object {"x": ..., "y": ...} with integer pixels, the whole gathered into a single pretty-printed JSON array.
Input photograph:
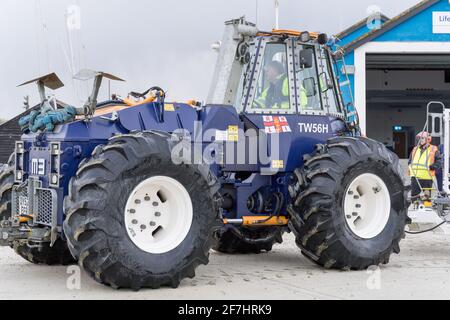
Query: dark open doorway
[{"x": 399, "y": 86}]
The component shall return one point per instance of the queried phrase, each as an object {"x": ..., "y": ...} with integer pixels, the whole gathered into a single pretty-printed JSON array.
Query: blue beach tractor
[{"x": 138, "y": 190}]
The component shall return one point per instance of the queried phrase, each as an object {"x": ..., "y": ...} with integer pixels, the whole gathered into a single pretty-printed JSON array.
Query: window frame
[
  {"x": 328, "y": 69},
  {"x": 252, "y": 85},
  {"x": 298, "y": 47},
  {"x": 337, "y": 88}
]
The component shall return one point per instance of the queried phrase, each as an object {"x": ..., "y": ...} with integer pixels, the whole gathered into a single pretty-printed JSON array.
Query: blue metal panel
[
  {"x": 294, "y": 144},
  {"x": 216, "y": 117}
]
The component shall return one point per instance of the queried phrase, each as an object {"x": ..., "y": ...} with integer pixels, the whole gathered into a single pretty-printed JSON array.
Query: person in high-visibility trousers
[{"x": 425, "y": 159}]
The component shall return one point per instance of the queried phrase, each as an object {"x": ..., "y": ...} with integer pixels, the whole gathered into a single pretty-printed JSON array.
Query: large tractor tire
[
  {"x": 240, "y": 240},
  {"x": 59, "y": 254},
  {"x": 6, "y": 185},
  {"x": 137, "y": 217},
  {"x": 350, "y": 204}
]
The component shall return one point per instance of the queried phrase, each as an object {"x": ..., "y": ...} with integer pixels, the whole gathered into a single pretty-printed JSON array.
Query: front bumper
[{"x": 36, "y": 205}]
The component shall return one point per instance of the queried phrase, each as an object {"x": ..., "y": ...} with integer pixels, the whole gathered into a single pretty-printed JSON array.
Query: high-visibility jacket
[
  {"x": 421, "y": 160},
  {"x": 276, "y": 95},
  {"x": 303, "y": 97}
]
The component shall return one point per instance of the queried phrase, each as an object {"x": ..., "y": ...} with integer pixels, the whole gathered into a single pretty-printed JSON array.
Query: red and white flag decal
[{"x": 275, "y": 124}]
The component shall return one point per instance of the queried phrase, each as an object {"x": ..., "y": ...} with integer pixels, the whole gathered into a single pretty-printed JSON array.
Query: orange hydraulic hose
[{"x": 262, "y": 221}]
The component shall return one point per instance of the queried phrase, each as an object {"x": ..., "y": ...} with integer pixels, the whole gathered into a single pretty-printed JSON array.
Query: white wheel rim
[
  {"x": 158, "y": 214},
  {"x": 367, "y": 206}
]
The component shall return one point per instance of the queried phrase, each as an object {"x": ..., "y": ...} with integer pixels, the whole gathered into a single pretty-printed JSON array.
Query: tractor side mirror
[
  {"x": 324, "y": 83},
  {"x": 309, "y": 85},
  {"x": 306, "y": 59}
]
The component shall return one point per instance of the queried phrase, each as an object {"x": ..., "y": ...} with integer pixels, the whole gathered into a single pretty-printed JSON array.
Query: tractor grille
[
  {"x": 42, "y": 205},
  {"x": 20, "y": 204}
]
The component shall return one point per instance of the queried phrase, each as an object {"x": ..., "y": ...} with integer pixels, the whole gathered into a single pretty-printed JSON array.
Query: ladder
[
  {"x": 438, "y": 126},
  {"x": 352, "y": 116}
]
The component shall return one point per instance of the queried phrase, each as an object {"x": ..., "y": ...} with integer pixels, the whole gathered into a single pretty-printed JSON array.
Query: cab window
[
  {"x": 307, "y": 81},
  {"x": 272, "y": 88},
  {"x": 326, "y": 83}
]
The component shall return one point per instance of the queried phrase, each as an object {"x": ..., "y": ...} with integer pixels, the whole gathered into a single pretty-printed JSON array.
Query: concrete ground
[{"x": 421, "y": 271}]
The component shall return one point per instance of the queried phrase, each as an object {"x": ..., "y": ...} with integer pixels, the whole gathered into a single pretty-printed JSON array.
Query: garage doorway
[{"x": 398, "y": 89}]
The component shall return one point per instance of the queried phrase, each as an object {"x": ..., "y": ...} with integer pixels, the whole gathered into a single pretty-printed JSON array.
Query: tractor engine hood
[{"x": 120, "y": 119}]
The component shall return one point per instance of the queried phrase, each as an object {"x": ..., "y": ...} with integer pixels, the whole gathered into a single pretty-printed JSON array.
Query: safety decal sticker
[
  {"x": 277, "y": 164},
  {"x": 276, "y": 124},
  {"x": 169, "y": 107},
  {"x": 230, "y": 135},
  {"x": 233, "y": 133}
]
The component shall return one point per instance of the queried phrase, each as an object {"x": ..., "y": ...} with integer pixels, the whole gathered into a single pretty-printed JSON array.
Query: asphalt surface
[{"x": 421, "y": 271}]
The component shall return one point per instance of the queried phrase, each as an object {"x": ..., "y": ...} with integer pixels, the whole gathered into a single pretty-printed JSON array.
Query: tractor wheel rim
[
  {"x": 367, "y": 206},
  {"x": 158, "y": 214}
]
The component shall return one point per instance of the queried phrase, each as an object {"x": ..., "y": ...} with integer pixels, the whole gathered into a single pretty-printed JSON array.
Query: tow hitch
[{"x": 11, "y": 231}]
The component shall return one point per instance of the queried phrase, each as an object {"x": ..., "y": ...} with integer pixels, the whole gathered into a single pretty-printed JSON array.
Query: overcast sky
[{"x": 147, "y": 42}]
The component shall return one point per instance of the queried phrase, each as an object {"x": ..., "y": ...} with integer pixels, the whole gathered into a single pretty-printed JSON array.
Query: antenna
[
  {"x": 256, "y": 12},
  {"x": 277, "y": 14}
]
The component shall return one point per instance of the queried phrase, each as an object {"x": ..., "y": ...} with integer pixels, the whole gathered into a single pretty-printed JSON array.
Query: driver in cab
[{"x": 276, "y": 94}]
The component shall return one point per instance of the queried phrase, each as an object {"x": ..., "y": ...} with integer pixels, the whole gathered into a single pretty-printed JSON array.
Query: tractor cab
[
  {"x": 283, "y": 86},
  {"x": 289, "y": 73},
  {"x": 279, "y": 72}
]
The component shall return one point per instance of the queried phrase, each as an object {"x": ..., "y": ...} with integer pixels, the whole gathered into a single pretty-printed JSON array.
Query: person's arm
[{"x": 437, "y": 165}]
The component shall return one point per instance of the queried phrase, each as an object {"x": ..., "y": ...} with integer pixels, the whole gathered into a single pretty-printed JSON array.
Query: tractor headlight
[
  {"x": 55, "y": 162},
  {"x": 19, "y": 175},
  {"x": 54, "y": 178},
  {"x": 18, "y": 166},
  {"x": 55, "y": 148},
  {"x": 305, "y": 36},
  {"x": 19, "y": 147}
]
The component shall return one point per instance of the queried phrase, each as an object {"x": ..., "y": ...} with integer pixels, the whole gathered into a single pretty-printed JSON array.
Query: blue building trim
[{"x": 394, "y": 24}]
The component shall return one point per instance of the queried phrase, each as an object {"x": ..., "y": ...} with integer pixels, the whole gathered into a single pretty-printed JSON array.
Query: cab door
[
  {"x": 315, "y": 125},
  {"x": 270, "y": 105}
]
